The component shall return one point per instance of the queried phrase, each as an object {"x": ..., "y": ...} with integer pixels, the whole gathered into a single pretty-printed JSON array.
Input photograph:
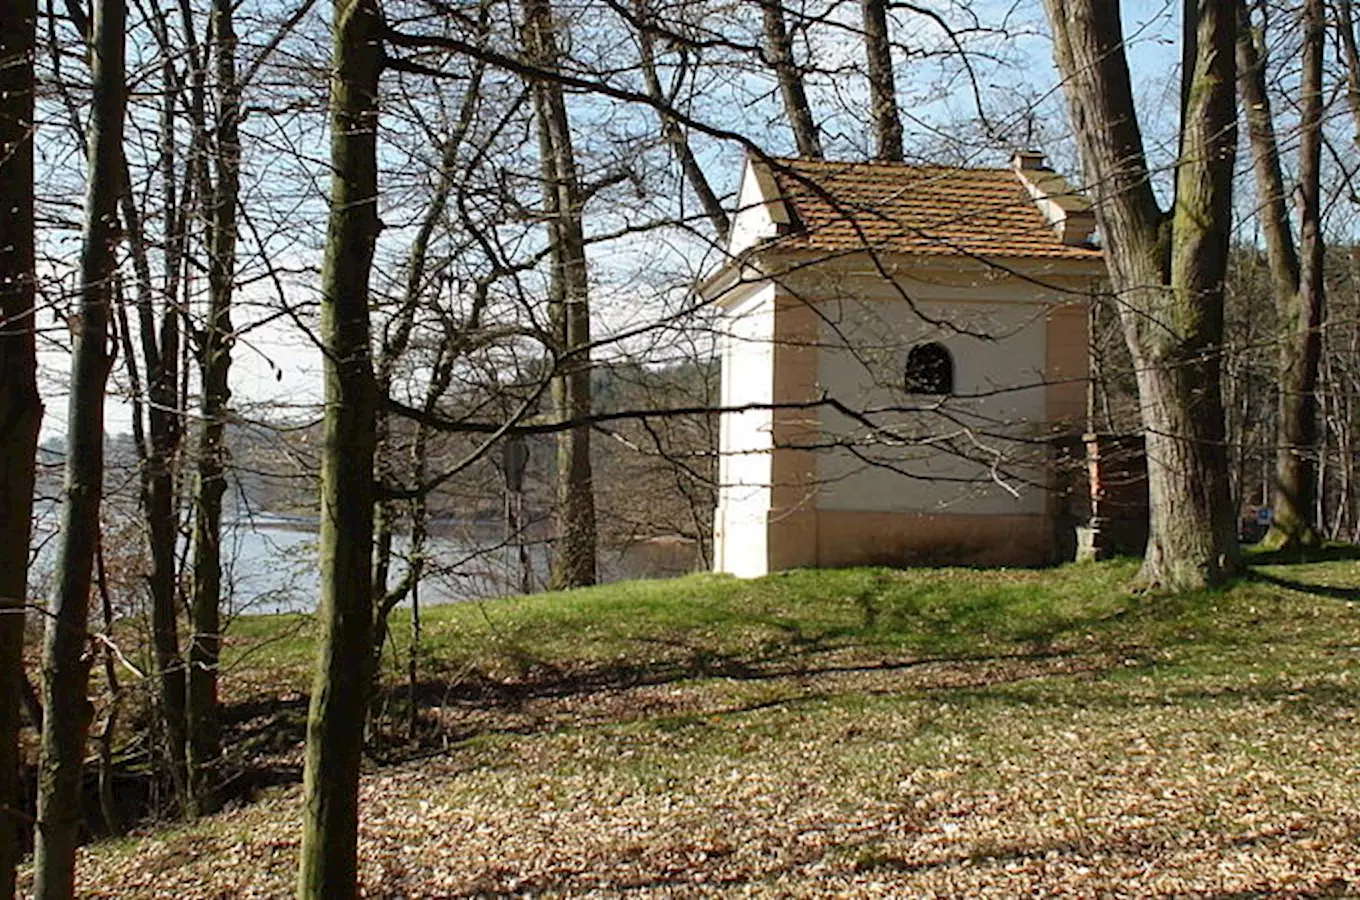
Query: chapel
[{"x": 904, "y": 351}]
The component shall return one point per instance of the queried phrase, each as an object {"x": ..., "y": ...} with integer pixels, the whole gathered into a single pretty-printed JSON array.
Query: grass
[
  {"x": 800, "y": 612},
  {"x": 868, "y": 732}
]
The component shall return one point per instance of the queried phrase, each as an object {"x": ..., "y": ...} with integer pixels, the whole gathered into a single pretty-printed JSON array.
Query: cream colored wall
[
  {"x": 847, "y": 335},
  {"x": 945, "y": 455},
  {"x": 746, "y": 442}
]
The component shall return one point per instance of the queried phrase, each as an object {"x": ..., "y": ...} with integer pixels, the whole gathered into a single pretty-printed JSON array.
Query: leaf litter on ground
[{"x": 981, "y": 734}]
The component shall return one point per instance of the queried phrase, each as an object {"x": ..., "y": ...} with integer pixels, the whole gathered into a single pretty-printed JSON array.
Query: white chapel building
[{"x": 901, "y": 345}]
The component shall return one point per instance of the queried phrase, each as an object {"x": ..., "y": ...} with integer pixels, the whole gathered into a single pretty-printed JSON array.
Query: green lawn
[{"x": 863, "y": 732}]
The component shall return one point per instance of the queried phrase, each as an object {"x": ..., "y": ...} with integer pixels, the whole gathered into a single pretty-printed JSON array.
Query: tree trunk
[
  {"x": 335, "y": 723},
  {"x": 569, "y": 311},
  {"x": 1281, "y": 253},
  {"x": 779, "y": 54},
  {"x": 162, "y": 414},
  {"x": 159, "y": 488},
  {"x": 1166, "y": 272},
  {"x": 882, "y": 86},
  {"x": 204, "y": 728},
  {"x": 65, "y": 660},
  {"x": 1294, "y": 490},
  {"x": 108, "y": 799},
  {"x": 1345, "y": 26},
  {"x": 20, "y": 406},
  {"x": 157, "y": 458},
  {"x": 160, "y": 502}
]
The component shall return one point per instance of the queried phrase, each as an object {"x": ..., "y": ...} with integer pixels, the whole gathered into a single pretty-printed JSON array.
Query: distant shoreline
[{"x": 436, "y": 527}]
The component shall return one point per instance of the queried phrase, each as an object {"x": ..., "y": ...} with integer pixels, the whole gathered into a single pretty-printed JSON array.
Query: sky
[{"x": 279, "y": 364}]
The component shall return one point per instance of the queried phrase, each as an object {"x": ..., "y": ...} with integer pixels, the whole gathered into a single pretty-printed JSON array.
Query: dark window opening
[{"x": 930, "y": 370}]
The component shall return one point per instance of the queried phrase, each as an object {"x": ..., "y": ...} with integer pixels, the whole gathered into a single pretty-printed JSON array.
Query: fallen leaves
[
  {"x": 1107, "y": 763},
  {"x": 883, "y": 781}
]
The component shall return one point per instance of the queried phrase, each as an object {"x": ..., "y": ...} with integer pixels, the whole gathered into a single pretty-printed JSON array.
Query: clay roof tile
[{"x": 908, "y": 209}]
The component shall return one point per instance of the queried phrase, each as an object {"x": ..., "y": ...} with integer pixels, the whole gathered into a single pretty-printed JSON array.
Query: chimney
[
  {"x": 1067, "y": 210},
  {"x": 1028, "y": 160}
]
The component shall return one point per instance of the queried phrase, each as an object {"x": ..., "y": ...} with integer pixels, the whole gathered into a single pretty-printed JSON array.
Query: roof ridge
[{"x": 796, "y": 161}]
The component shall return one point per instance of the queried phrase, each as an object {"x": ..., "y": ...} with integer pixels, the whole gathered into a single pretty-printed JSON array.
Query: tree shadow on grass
[
  {"x": 1347, "y": 594},
  {"x": 455, "y": 704},
  {"x": 475, "y": 705},
  {"x": 1333, "y": 552},
  {"x": 984, "y": 630},
  {"x": 478, "y": 689}
]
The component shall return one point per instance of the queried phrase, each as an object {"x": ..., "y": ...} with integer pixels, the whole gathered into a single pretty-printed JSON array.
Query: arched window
[{"x": 930, "y": 370}]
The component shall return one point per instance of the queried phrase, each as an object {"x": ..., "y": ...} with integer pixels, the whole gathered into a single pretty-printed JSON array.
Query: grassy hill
[{"x": 863, "y": 732}]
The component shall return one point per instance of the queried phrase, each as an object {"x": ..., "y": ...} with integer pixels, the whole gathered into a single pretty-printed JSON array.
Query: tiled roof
[{"x": 894, "y": 208}]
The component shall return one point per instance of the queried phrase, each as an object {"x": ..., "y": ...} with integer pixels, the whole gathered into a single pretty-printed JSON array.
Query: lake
[{"x": 270, "y": 562}]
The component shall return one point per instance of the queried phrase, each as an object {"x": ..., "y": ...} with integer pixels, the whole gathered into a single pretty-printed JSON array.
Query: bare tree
[
  {"x": 1350, "y": 58},
  {"x": 1167, "y": 270},
  {"x": 65, "y": 660},
  {"x": 335, "y": 722},
  {"x": 574, "y": 557},
  {"x": 158, "y": 422},
  {"x": 670, "y": 128},
  {"x": 1296, "y": 271},
  {"x": 214, "y": 357},
  {"x": 20, "y": 406}
]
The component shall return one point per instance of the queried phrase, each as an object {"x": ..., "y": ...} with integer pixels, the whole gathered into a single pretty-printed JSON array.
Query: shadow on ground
[
  {"x": 1327, "y": 553},
  {"x": 1335, "y": 592}
]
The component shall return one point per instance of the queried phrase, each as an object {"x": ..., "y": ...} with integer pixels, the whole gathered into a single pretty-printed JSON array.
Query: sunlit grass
[{"x": 925, "y": 613}]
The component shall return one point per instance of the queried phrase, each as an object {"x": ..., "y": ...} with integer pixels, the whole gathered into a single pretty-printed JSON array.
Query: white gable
[{"x": 761, "y": 215}]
